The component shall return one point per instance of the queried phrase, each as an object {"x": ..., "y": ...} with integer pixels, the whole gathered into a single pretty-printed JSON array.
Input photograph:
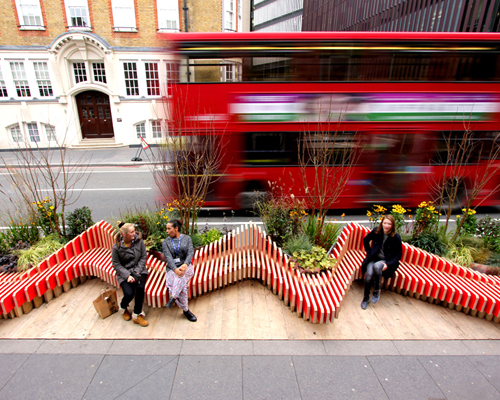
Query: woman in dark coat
[
  {"x": 383, "y": 251},
  {"x": 129, "y": 261}
]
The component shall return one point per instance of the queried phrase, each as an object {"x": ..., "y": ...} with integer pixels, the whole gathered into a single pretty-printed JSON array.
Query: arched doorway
[{"x": 95, "y": 115}]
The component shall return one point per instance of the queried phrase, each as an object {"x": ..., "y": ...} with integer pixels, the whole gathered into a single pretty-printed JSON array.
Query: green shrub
[
  {"x": 430, "y": 242},
  {"x": 210, "y": 236},
  {"x": 489, "y": 229},
  {"x": 4, "y": 243},
  {"x": 460, "y": 254},
  {"x": 314, "y": 261},
  {"x": 297, "y": 243},
  {"x": 38, "y": 252},
  {"x": 21, "y": 230},
  {"x": 78, "y": 221},
  {"x": 150, "y": 222},
  {"x": 328, "y": 235}
]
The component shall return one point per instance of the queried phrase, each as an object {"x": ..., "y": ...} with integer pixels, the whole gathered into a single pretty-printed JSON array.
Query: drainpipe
[{"x": 185, "y": 16}]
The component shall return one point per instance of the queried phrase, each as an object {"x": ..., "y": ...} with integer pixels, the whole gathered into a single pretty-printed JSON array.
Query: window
[
  {"x": 229, "y": 73},
  {"x": 80, "y": 72},
  {"x": 156, "y": 129},
  {"x": 33, "y": 132},
  {"x": 50, "y": 133},
  {"x": 99, "y": 72},
  {"x": 3, "y": 88},
  {"x": 43, "y": 79},
  {"x": 16, "y": 134},
  {"x": 20, "y": 81},
  {"x": 171, "y": 76},
  {"x": 168, "y": 14},
  {"x": 240, "y": 16},
  {"x": 229, "y": 22},
  {"x": 152, "y": 79},
  {"x": 29, "y": 12},
  {"x": 123, "y": 15},
  {"x": 131, "y": 81},
  {"x": 141, "y": 130},
  {"x": 78, "y": 13}
]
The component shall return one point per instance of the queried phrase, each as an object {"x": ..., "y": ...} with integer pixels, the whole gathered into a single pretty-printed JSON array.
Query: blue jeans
[{"x": 373, "y": 273}]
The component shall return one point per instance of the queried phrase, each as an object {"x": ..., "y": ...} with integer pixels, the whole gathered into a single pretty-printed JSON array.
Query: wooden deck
[{"x": 248, "y": 310}]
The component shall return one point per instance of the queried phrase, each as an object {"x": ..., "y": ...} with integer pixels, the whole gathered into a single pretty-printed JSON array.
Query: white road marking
[{"x": 91, "y": 190}]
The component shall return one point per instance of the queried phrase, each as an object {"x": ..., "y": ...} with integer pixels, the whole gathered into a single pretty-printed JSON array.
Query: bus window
[
  {"x": 211, "y": 70},
  {"x": 271, "y": 148}
]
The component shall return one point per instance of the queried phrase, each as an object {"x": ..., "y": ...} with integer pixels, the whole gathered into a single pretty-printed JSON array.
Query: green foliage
[
  {"x": 489, "y": 229},
  {"x": 376, "y": 214},
  {"x": 426, "y": 219},
  {"x": 149, "y": 222},
  {"x": 312, "y": 261},
  {"x": 325, "y": 238},
  {"x": 21, "y": 230},
  {"x": 42, "y": 249},
  {"x": 429, "y": 241},
  {"x": 298, "y": 243},
  {"x": 493, "y": 259},
  {"x": 210, "y": 236},
  {"x": 4, "y": 243},
  {"x": 398, "y": 212},
  {"x": 46, "y": 217},
  {"x": 460, "y": 254},
  {"x": 78, "y": 221},
  {"x": 196, "y": 238}
]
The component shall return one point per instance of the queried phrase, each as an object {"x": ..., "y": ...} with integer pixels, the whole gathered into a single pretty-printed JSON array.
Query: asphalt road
[{"x": 111, "y": 190}]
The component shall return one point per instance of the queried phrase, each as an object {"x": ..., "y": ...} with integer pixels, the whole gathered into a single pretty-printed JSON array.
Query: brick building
[
  {"x": 402, "y": 15},
  {"x": 83, "y": 71}
]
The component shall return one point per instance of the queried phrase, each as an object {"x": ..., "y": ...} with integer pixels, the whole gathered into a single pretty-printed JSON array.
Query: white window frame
[
  {"x": 81, "y": 5},
  {"x": 43, "y": 81},
  {"x": 124, "y": 16},
  {"x": 168, "y": 15},
  {"x": 30, "y": 9},
  {"x": 171, "y": 76},
  {"x": 50, "y": 133},
  {"x": 20, "y": 79},
  {"x": 240, "y": 15},
  {"x": 98, "y": 73},
  {"x": 139, "y": 131},
  {"x": 229, "y": 16},
  {"x": 4, "y": 93},
  {"x": 142, "y": 78},
  {"x": 136, "y": 78},
  {"x": 32, "y": 129},
  {"x": 84, "y": 77},
  {"x": 153, "y": 124},
  {"x": 152, "y": 77},
  {"x": 19, "y": 132}
]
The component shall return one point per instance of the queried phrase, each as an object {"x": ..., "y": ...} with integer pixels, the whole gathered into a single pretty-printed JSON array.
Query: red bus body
[{"x": 400, "y": 121}]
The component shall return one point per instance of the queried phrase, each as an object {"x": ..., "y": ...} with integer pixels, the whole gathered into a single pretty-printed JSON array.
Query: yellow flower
[
  {"x": 409, "y": 216},
  {"x": 422, "y": 205},
  {"x": 49, "y": 214},
  {"x": 51, "y": 207},
  {"x": 170, "y": 209},
  {"x": 343, "y": 215},
  {"x": 458, "y": 216},
  {"x": 157, "y": 223},
  {"x": 368, "y": 213}
]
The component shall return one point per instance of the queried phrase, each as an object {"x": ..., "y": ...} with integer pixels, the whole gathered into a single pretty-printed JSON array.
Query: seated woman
[
  {"x": 382, "y": 257},
  {"x": 129, "y": 261},
  {"x": 178, "y": 251}
]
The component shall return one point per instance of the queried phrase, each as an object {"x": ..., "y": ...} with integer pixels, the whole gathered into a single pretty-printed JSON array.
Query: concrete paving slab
[
  {"x": 337, "y": 377},
  {"x": 269, "y": 377},
  {"x": 458, "y": 378},
  {"x": 483, "y": 347},
  {"x": 208, "y": 377},
  {"x": 432, "y": 347},
  {"x": 10, "y": 364},
  {"x": 404, "y": 378},
  {"x": 121, "y": 375},
  {"x": 52, "y": 376},
  {"x": 74, "y": 347},
  {"x": 489, "y": 366},
  {"x": 360, "y": 348},
  {"x": 16, "y": 346},
  {"x": 289, "y": 347},
  {"x": 217, "y": 347},
  {"x": 146, "y": 347}
]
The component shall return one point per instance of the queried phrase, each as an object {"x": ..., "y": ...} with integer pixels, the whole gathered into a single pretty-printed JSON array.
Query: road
[{"x": 110, "y": 190}]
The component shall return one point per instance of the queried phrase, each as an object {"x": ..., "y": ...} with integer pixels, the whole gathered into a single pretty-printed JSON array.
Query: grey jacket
[
  {"x": 186, "y": 251},
  {"x": 129, "y": 259}
]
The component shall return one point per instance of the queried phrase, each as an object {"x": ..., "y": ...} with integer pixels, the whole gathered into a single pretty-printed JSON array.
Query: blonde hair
[{"x": 123, "y": 228}]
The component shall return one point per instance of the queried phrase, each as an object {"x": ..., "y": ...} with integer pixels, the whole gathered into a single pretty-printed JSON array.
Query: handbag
[{"x": 106, "y": 303}]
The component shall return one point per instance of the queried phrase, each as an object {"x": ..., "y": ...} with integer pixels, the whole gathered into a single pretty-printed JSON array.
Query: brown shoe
[
  {"x": 126, "y": 315},
  {"x": 140, "y": 320}
]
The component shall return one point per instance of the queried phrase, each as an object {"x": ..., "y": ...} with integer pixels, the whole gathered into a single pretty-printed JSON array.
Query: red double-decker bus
[{"x": 402, "y": 94}]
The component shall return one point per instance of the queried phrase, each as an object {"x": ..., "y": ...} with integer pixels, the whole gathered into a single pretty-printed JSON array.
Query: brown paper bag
[{"x": 106, "y": 304}]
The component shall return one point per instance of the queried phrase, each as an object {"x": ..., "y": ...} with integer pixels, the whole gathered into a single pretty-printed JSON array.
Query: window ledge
[
  {"x": 126, "y": 29},
  {"x": 80, "y": 28},
  {"x": 31, "y": 28},
  {"x": 166, "y": 30}
]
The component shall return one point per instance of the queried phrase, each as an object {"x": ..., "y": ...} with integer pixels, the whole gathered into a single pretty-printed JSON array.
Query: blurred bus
[{"x": 402, "y": 94}]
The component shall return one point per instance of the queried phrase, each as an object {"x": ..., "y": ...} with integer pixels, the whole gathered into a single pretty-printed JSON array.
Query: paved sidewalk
[
  {"x": 190, "y": 369},
  {"x": 120, "y": 156}
]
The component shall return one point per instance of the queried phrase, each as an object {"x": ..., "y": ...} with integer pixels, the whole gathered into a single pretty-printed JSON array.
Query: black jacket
[
  {"x": 129, "y": 259},
  {"x": 393, "y": 250}
]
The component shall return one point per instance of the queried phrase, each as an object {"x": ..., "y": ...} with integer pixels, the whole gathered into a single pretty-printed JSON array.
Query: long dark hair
[{"x": 393, "y": 229}]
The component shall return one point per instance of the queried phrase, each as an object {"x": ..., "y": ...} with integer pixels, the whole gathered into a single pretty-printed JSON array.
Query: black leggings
[
  {"x": 128, "y": 293},
  {"x": 373, "y": 272}
]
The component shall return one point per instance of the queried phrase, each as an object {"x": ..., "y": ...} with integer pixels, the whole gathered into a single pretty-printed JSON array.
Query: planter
[{"x": 486, "y": 269}]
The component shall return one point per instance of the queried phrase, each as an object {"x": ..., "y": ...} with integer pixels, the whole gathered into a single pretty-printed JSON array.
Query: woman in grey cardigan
[
  {"x": 178, "y": 251},
  {"x": 129, "y": 261}
]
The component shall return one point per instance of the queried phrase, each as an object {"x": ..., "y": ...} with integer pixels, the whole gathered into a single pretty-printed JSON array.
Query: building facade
[
  {"x": 402, "y": 15},
  {"x": 75, "y": 71},
  {"x": 277, "y": 15}
]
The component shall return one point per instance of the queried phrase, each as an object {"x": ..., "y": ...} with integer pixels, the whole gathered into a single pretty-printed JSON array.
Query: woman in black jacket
[
  {"x": 383, "y": 251},
  {"x": 129, "y": 261}
]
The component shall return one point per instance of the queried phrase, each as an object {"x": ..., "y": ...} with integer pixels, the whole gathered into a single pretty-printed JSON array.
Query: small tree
[
  {"x": 331, "y": 155},
  {"x": 46, "y": 180},
  {"x": 189, "y": 159}
]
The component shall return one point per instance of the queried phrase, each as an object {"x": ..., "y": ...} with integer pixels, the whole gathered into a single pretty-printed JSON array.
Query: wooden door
[{"x": 95, "y": 115}]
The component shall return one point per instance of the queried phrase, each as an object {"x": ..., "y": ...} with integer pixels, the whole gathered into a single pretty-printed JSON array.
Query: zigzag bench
[{"x": 247, "y": 253}]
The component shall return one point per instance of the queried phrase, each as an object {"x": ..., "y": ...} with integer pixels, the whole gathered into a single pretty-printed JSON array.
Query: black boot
[
  {"x": 190, "y": 316},
  {"x": 376, "y": 296},
  {"x": 364, "y": 303},
  {"x": 366, "y": 295},
  {"x": 171, "y": 303}
]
